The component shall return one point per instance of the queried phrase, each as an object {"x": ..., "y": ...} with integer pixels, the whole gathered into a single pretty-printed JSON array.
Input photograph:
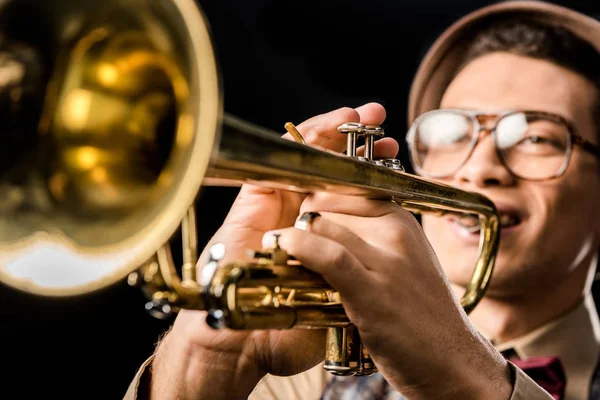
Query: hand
[
  {"x": 254, "y": 353},
  {"x": 395, "y": 292}
]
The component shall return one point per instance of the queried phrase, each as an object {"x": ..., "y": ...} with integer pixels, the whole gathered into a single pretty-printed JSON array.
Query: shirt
[{"x": 574, "y": 337}]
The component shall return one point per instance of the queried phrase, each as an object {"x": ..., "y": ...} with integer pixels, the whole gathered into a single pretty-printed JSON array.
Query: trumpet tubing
[{"x": 118, "y": 108}]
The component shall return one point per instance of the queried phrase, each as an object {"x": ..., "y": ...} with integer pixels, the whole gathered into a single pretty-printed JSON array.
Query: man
[{"x": 504, "y": 104}]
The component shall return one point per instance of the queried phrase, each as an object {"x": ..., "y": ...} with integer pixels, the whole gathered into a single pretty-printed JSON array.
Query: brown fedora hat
[{"x": 441, "y": 62}]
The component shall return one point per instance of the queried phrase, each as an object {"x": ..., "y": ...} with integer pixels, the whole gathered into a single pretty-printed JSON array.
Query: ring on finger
[{"x": 305, "y": 221}]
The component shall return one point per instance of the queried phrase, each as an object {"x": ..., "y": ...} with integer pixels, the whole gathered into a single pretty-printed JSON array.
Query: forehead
[{"x": 504, "y": 81}]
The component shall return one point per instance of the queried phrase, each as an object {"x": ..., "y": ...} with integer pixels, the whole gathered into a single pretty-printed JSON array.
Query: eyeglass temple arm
[{"x": 586, "y": 145}]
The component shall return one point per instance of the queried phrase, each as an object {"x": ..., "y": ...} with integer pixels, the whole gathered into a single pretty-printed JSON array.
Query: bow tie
[{"x": 546, "y": 371}]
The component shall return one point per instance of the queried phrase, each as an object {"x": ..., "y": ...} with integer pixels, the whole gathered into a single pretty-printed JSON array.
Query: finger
[
  {"x": 371, "y": 114},
  {"x": 321, "y": 130},
  {"x": 327, "y": 257},
  {"x": 349, "y": 205},
  {"x": 255, "y": 210},
  {"x": 383, "y": 148}
]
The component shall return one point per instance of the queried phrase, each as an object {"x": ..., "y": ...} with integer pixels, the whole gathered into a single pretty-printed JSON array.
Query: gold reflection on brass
[
  {"x": 107, "y": 74},
  {"x": 186, "y": 126},
  {"x": 76, "y": 109},
  {"x": 86, "y": 157},
  {"x": 57, "y": 185},
  {"x": 108, "y": 172},
  {"x": 99, "y": 175}
]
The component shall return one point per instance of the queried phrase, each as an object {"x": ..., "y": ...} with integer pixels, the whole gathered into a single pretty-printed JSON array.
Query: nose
[{"x": 484, "y": 168}]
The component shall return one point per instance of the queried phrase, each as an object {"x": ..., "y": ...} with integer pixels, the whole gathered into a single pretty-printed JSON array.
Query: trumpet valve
[
  {"x": 391, "y": 163},
  {"x": 353, "y": 130},
  {"x": 370, "y": 133}
]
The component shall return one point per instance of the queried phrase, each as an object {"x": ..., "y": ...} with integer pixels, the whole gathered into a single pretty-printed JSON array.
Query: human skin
[
  {"x": 545, "y": 260},
  {"x": 373, "y": 246},
  {"x": 397, "y": 280},
  {"x": 191, "y": 348}
]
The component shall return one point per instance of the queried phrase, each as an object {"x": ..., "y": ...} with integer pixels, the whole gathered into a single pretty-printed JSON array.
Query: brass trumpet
[{"x": 117, "y": 108}]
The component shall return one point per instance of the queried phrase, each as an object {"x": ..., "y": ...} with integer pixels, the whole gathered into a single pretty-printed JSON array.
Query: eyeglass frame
[{"x": 473, "y": 115}]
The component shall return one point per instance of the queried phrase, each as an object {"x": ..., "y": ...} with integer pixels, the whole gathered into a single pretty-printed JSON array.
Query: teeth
[
  {"x": 469, "y": 222},
  {"x": 507, "y": 220}
]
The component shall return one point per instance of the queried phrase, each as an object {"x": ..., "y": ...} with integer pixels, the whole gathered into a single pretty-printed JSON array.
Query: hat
[{"x": 443, "y": 59}]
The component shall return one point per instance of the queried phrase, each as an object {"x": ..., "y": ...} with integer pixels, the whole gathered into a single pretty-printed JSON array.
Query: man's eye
[
  {"x": 542, "y": 140},
  {"x": 539, "y": 145},
  {"x": 536, "y": 139}
]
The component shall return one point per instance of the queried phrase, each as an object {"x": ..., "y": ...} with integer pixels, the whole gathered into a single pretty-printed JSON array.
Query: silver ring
[{"x": 305, "y": 220}]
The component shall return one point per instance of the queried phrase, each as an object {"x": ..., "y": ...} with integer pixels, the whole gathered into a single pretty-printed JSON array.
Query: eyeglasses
[{"x": 532, "y": 145}]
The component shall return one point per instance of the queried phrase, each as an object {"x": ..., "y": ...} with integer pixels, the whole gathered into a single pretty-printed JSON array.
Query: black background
[{"x": 280, "y": 61}]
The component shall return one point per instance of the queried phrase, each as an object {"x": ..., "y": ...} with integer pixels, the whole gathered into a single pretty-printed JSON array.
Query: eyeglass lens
[{"x": 531, "y": 146}]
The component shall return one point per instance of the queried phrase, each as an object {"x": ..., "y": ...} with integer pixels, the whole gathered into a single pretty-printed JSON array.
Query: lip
[{"x": 502, "y": 208}]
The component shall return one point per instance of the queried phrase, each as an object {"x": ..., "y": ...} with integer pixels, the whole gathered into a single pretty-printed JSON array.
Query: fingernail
[{"x": 271, "y": 238}]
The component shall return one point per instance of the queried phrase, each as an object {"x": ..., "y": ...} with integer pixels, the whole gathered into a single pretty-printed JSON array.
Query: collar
[{"x": 574, "y": 338}]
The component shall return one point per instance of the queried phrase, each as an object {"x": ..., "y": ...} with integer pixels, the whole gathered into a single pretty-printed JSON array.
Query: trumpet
[{"x": 118, "y": 110}]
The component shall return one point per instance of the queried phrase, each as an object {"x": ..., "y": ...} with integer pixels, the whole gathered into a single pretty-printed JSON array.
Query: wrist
[
  {"x": 182, "y": 369},
  {"x": 496, "y": 384},
  {"x": 471, "y": 372},
  {"x": 491, "y": 377}
]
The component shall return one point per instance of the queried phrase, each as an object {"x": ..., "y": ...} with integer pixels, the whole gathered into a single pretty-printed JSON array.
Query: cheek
[
  {"x": 564, "y": 204},
  {"x": 431, "y": 227},
  {"x": 456, "y": 257},
  {"x": 564, "y": 214},
  {"x": 438, "y": 232}
]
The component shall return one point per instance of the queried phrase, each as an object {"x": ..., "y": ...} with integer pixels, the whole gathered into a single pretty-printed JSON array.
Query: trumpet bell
[{"x": 113, "y": 110}]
